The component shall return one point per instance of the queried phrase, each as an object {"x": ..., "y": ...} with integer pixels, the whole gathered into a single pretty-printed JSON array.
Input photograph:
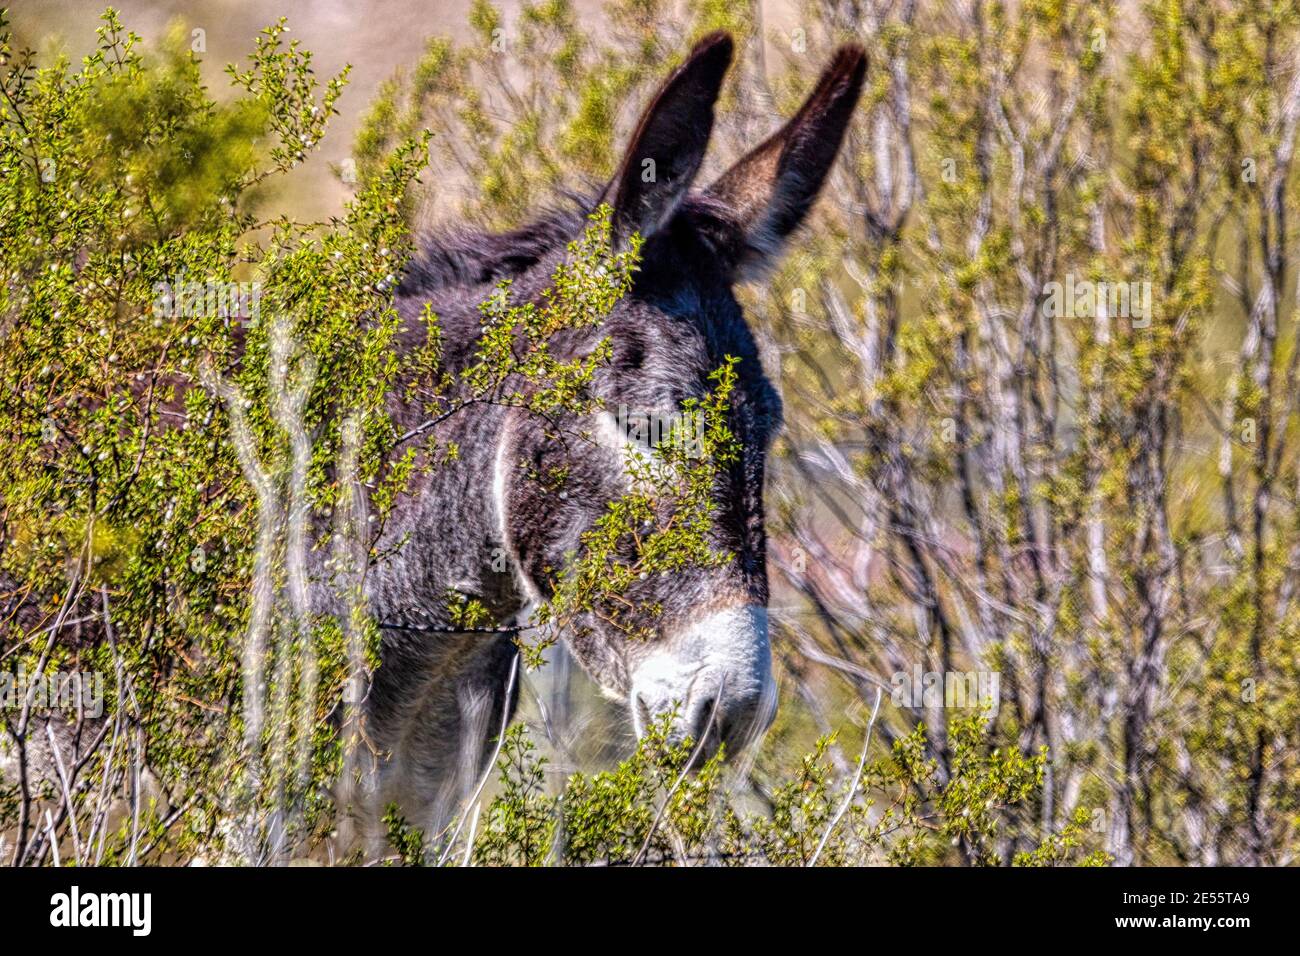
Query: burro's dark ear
[
  {"x": 770, "y": 190},
  {"x": 669, "y": 142}
]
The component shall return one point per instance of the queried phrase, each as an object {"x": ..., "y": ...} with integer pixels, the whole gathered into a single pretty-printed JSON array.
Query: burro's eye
[{"x": 647, "y": 430}]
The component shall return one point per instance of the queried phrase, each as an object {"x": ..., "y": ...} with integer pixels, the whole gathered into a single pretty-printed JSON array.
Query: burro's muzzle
[{"x": 716, "y": 671}]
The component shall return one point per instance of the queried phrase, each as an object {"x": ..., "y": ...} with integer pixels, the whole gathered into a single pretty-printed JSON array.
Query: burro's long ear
[
  {"x": 770, "y": 190},
  {"x": 669, "y": 143}
]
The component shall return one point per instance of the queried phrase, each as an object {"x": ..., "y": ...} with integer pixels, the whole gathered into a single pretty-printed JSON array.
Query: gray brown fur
[{"x": 437, "y": 699}]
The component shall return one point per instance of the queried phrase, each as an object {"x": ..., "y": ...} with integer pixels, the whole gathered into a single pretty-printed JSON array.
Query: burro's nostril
[
  {"x": 644, "y": 715},
  {"x": 743, "y": 716},
  {"x": 702, "y": 717}
]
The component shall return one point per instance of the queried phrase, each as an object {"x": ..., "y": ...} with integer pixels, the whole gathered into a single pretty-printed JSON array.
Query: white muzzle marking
[{"x": 717, "y": 672}]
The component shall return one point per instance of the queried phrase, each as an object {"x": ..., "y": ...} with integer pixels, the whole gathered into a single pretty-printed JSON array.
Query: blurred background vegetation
[{"x": 1101, "y": 507}]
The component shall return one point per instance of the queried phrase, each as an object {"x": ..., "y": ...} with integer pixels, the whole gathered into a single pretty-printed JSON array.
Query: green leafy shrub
[{"x": 156, "y": 463}]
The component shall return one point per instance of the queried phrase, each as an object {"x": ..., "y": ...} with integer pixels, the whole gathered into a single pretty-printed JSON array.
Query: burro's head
[{"x": 703, "y": 648}]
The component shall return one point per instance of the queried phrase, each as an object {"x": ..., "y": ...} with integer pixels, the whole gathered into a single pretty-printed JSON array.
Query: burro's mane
[
  {"x": 455, "y": 267},
  {"x": 459, "y": 257}
]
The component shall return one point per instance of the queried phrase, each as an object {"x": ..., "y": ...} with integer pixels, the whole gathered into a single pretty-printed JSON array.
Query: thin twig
[
  {"x": 54, "y": 843},
  {"x": 487, "y": 772},
  {"x": 853, "y": 789},
  {"x": 469, "y": 837},
  {"x": 67, "y": 790}
]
